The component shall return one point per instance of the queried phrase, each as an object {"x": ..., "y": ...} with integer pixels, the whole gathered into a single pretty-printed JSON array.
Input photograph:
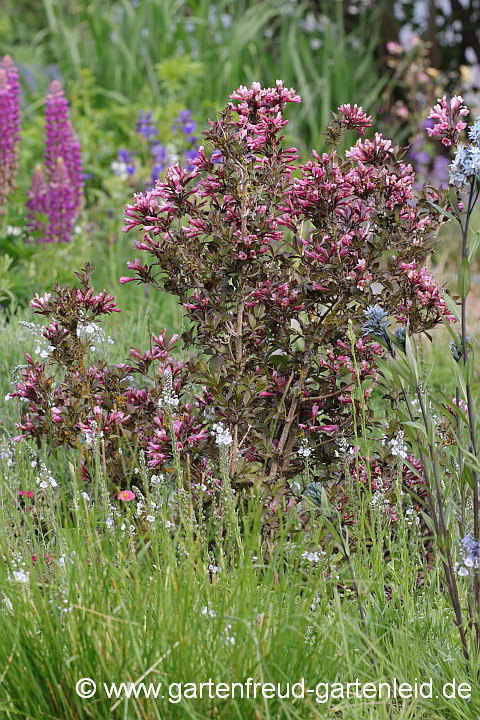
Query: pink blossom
[{"x": 126, "y": 495}]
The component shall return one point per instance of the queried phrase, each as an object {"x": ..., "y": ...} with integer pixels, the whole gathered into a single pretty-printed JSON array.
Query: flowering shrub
[
  {"x": 271, "y": 267},
  {"x": 56, "y": 193},
  {"x": 86, "y": 404}
]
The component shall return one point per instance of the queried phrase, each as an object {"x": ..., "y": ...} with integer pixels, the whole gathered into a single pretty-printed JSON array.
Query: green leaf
[
  {"x": 428, "y": 521},
  {"x": 473, "y": 247},
  {"x": 441, "y": 210},
  {"x": 452, "y": 196},
  {"x": 463, "y": 284},
  {"x": 452, "y": 306},
  {"x": 469, "y": 367},
  {"x": 459, "y": 379},
  {"x": 418, "y": 426},
  {"x": 412, "y": 362}
]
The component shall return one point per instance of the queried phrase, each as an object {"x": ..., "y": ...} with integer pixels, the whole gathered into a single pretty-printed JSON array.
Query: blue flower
[
  {"x": 145, "y": 124},
  {"x": 400, "y": 335},
  {"x": 465, "y": 165},
  {"x": 376, "y": 323},
  {"x": 457, "y": 350},
  {"x": 313, "y": 492},
  {"x": 474, "y": 131},
  {"x": 188, "y": 156}
]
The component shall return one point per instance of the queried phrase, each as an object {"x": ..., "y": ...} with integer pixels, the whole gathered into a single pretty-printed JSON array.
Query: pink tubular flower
[
  {"x": 448, "y": 124},
  {"x": 375, "y": 152},
  {"x": 354, "y": 118},
  {"x": 126, "y": 495}
]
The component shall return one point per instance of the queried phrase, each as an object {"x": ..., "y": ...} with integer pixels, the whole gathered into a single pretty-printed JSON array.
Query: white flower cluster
[
  {"x": 45, "y": 479},
  {"x": 304, "y": 451},
  {"x": 7, "y": 453},
  {"x": 313, "y": 557},
  {"x": 43, "y": 348},
  {"x": 168, "y": 398},
  {"x": 222, "y": 435},
  {"x": 94, "y": 334},
  {"x": 208, "y": 612},
  {"x": 397, "y": 445},
  {"x": 412, "y": 517},
  {"x": 91, "y": 435},
  {"x": 18, "y": 574},
  {"x": 344, "y": 449},
  {"x": 465, "y": 165},
  {"x": 226, "y": 635}
]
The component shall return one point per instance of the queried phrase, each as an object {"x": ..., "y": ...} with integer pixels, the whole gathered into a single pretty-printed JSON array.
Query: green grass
[{"x": 141, "y": 614}]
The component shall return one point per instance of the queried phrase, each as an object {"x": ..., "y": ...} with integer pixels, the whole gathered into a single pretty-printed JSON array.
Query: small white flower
[
  {"x": 34, "y": 464},
  {"x": 468, "y": 562},
  {"x": 8, "y": 397},
  {"x": 463, "y": 571},
  {"x": 150, "y": 518},
  {"x": 19, "y": 575},
  {"x": 85, "y": 496},
  {"x": 52, "y": 482},
  {"x": 44, "y": 484}
]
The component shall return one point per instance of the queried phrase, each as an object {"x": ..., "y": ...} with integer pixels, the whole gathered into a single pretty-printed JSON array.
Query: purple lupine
[
  {"x": 59, "y": 193},
  {"x": 37, "y": 202},
  {"x": 58, "y": 133},
  {"x": 61, "y": 205},
  {"x": 9, "y": 127},
  {"x": 13, "y": 78},
  {"x": 74, "y": 165}
]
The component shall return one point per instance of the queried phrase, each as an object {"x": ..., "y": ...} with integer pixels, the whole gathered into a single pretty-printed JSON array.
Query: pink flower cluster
[
  {"x": 260, "y": 112},
  {"x": 354, "y": 118},
  {"x": 9, "y": 127},
  {"x": 420, "y": 289},
  {"x": 376, "y": 152},
  {"x": 58, "y": 192},
  {"x": 448, "y": 125}
]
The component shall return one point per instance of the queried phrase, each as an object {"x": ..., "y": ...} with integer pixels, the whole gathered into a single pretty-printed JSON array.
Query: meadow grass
[{"x": 157, "y": 614}]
